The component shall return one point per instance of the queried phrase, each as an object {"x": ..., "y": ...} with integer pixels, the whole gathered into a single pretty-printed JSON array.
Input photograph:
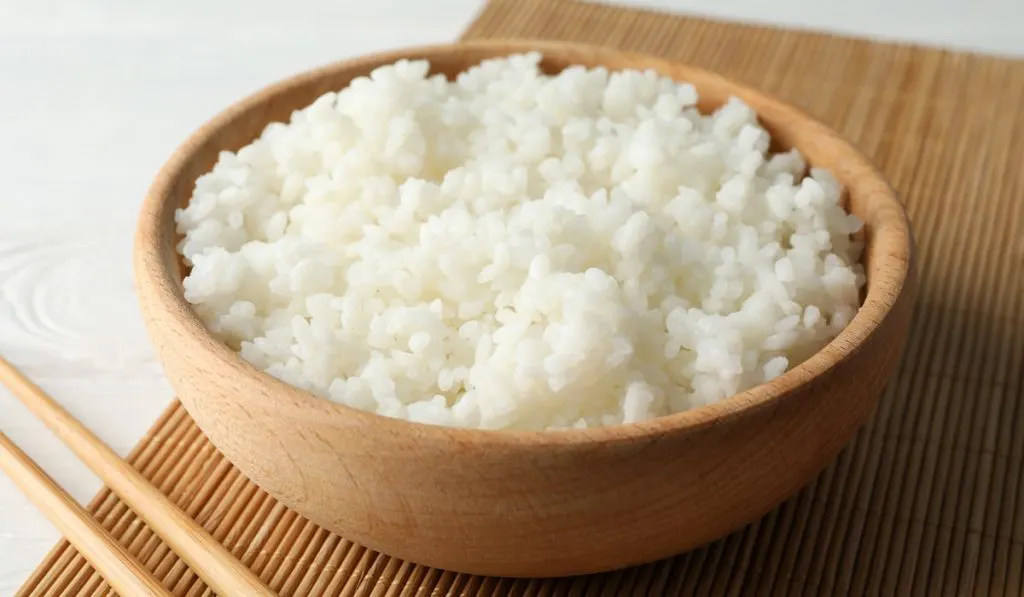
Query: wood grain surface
[{"x": 926, "y": 501}]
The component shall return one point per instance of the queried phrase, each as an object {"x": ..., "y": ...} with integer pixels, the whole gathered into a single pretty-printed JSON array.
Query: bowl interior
[{"x": 886, "y": 233}]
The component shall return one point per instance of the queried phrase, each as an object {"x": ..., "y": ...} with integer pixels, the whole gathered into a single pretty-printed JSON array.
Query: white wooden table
[{"x": 94, "y": 95}]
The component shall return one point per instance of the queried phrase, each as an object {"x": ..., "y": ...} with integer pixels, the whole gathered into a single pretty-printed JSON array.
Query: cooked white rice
[{"x": 518, "y": 250}]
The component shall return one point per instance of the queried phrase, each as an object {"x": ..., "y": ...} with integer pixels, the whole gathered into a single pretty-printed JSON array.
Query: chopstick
[
  {"x": 204, "y": 554},
  {"x": 106, "y": 555}
]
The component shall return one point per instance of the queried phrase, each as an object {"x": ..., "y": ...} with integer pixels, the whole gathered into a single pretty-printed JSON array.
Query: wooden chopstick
[
  {"x": 204, "y": 554},
  {"x": 106, "y": 555}
]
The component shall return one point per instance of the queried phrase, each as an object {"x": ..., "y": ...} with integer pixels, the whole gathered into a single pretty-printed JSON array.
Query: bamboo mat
[{"x": 929, "y": 498}]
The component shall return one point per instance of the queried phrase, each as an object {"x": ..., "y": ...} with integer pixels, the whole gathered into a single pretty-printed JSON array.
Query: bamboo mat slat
[{"x": 927, "y": 500}]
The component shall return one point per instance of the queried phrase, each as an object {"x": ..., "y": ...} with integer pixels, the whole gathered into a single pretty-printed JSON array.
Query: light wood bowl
[{"x": 530, "y": 503}]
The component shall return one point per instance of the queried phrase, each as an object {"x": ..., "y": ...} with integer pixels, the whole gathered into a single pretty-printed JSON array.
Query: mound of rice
[{"x": 519, "y": 250}]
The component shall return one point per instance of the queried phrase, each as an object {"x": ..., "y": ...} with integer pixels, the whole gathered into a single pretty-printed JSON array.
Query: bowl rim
[{"x": 163, "y": 286}]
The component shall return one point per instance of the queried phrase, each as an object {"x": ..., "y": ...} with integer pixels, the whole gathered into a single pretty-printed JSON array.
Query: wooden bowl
[{"x": 530, "y": 503}]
